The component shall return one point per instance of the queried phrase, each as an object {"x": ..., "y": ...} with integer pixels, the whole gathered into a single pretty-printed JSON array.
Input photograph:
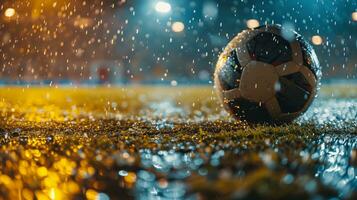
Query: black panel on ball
[
  {"x": 230, "y": 73},
  {"x": 308, "y": 59},
  {"x": 249, "y": 111},
  {"x": 300, "y": 80},
  {"x": 269, "y": 48},
  {"x": 294, "y": 92}
]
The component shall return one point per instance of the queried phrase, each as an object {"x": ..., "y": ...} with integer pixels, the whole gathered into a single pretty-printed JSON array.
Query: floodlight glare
[
  {"x": 178, "y": 27},
  {"x": 317, "y": 40},
  {"x": 252, "y": 23},
  {"x": 9, "y": 12},
  {"x": 354, "y": 16},
  {"x": 162, "y": 7}
]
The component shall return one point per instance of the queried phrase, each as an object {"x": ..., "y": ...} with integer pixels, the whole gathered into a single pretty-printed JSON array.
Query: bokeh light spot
[
  {"x": 162, "y": 7},
  {"x": 178, "y": 27},
  {"x": 316, "y": 40},
  {"x": 354, "y": 16},
  {"x": 91, "y": 194},
  {"x": 252, "y": 23},
  {"x": 10, "y": 12}
]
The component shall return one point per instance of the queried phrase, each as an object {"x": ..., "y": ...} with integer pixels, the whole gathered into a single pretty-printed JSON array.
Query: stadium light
[
  {"x": 178, "y": 27},
  {"x": 252, "y": 23},
  {"x": 162, "y": 7},
  {"x": 9, "y": 12},
  {"x": 316, "y": 40},
  {"x": 354, "y": 16}
]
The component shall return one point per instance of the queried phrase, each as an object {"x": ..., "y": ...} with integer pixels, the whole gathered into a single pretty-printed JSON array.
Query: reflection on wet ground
[
  {"x": 336, "y": 153},
  {"x": 166, "y": 174},
  {"x": 59, "y": 145}
]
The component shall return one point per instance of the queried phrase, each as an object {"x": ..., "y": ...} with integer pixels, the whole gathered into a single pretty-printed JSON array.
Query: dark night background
[{"x": 89, "y": 42}]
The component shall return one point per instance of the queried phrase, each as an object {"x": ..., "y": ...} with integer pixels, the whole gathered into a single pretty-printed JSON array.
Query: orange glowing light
[
  {"x": 42, "y": 171},
  {"x": 354, "y": 16},
  {"x": 162, "y": 7},
  {"x": 130, "y": 178},
  {"x": 252, "y": 23},
  {"x": 83, "y": 22},
  {"x": 316, "y": 40},
  {"x": 91, "y": 194},
  {"x": 178, "y": 27},
  {"x": 10, "y": 12}
]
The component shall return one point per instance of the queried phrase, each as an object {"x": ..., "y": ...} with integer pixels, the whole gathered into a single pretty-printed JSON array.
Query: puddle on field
[
  {"x": 338, "y": 157},
  {"x": 165, "y": 174}
]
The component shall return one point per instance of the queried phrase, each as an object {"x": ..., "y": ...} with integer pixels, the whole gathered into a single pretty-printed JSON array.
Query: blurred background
[{"x": 75, "y": 42}]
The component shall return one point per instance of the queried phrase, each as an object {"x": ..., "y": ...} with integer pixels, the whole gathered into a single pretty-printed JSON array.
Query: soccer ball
[{"x": 267, "y": 75}]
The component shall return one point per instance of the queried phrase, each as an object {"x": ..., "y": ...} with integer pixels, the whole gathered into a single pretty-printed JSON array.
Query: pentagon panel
[
  {"x": 269, "y": 48},
  {"x": 294, "y": 92}
]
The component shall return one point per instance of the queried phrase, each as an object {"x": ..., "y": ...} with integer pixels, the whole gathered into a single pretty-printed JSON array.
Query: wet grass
[{"x": 142, "y": 142}]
